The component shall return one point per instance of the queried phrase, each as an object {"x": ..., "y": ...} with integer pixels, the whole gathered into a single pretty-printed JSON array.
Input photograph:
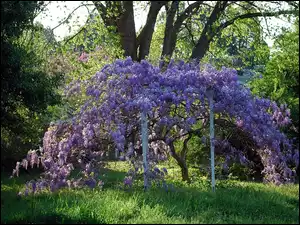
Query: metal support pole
[
  {"x": 144, "y": 123},
  {"x": 212, "y": 136}
]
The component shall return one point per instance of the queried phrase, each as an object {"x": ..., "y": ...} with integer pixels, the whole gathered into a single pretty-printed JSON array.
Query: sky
[{"x": 58, "y": 10}]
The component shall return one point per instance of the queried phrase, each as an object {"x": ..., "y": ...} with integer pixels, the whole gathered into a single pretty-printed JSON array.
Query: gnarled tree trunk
[
  {"x": 126, "y": 29},
  {"x": 181, "y": 161},
  {"x": 120, "y": 15}
]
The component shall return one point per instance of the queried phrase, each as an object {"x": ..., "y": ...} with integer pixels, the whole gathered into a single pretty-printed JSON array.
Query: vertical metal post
[
  {"x": 212, "y": 136},
  {"x": 116, "y": 153},
  {"x": 144, "y": 124}
]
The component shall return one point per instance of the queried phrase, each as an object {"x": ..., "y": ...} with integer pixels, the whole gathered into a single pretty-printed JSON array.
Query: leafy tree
[
  {"x": 79, "y": 56},
  {"x": 240, "y": 46},
  {"x": 214, "y": 17},
  {"x": 208, "y": 18},
  {"x": 280, "y": 81},
  {"x": 26, "y": 89}
]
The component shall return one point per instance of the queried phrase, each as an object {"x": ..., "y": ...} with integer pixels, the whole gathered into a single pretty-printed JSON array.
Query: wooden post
[
  {"x": 212, "y": 136},
  {"x": 144, "y": 124}
]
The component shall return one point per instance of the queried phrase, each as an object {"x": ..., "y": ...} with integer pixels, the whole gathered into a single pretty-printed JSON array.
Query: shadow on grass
[
  {"x": 25, "y": 209},
  {"x": 230, "y": 204},
  {"x": 111, "y": 177},
  {"x": 55, "y": 219},
  {"x": 42, "y": 209}
]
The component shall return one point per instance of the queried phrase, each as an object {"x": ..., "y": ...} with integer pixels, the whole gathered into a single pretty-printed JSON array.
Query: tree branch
[
  {"x": 42, "y": 9},
  {"x": 100, "y": 7},
  {"x": 293, "y": 4},
  {"x": 187, "y": 12},
  {"x": 253, "y": 15},
  {"x": 169, "y": 28},
  {"x": 171, "y": 13},
  {"x": 145, "y": 37},
  {"x": 70, "y": 14},
  {"x": 185, "y": 148},
  {"x": 190, "y": 33},
  {"x": 207, "y": 33},
  {"x": 81, "y": 29},
  {"x": 103, "y": 12}
]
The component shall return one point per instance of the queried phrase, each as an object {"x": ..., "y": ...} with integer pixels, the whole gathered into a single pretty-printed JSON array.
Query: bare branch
[
  {"x": 190, "y": 33},
  {"x": 69, "y": 16},
  {"x": 253, "y": 15},
  {"x": 42, "y": 9},
  {"x": 81, "y": 29}
]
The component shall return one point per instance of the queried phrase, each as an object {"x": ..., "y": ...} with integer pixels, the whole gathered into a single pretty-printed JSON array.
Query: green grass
[{"x": 233, "y": 202}]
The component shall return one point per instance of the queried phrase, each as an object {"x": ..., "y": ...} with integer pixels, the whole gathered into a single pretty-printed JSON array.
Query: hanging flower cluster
[{"x": 175, "y": 100}]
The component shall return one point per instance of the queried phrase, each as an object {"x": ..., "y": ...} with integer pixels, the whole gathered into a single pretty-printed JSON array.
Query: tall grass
[{"x": 233, "y": 202}]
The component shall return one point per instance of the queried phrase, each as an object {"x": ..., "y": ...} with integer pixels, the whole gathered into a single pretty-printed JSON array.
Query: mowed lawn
[{"x": 233, "y": 202}]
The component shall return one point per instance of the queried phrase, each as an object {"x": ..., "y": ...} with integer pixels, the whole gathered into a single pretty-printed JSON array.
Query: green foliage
[
  {"x": 198, "y": 154},
  {"x": 239, "y": 46},
  {"x": 17, "y": 16},
  {"x": 101, "y": 47},
  {"x": 26, "y": 88},
  {"x": 280, "y": 81},
  {"x": 91, "y": 36},
  {"x": 156, "y": 44}
]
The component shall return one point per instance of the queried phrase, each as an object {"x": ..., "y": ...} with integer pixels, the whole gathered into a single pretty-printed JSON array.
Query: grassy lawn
[{"x": 233, "y": 202}]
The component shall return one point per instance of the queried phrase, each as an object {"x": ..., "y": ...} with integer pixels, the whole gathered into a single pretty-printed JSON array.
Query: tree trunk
[
  {"x": 126, "y": 29},
  {"x": 171, "y": 31},
  {"x": 182, "y": 163},
  {"x": 119, "y": 14},
  {"x": 145, "y": 38},
  {"x": 185, "y": 173},
  {"x": 201, "y": 47},
  {"x": 169, "y": 34},
  {"x": 208, "y": 32}
]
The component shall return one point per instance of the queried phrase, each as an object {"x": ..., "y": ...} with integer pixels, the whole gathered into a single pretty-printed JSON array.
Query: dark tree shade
[{"x": 24, "y": 84}]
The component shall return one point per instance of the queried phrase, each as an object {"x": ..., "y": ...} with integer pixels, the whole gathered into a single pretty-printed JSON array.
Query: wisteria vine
[{"x": 175, "y": 101}]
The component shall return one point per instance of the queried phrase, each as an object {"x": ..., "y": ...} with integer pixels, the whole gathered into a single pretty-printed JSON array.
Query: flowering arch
[{"x": 176, "y": 102}]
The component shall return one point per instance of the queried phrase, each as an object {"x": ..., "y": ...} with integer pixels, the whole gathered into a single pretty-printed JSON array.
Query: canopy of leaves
[
  {"x": 280, "y": 81},
  {"x": 26, "y": 89}
]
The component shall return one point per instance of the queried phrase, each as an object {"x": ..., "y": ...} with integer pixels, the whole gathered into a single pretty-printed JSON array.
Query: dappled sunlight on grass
[{"x": 233, "y": 202}]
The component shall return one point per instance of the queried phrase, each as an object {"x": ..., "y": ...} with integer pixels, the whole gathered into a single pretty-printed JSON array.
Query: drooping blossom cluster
[{"x": 175, "y": 100}]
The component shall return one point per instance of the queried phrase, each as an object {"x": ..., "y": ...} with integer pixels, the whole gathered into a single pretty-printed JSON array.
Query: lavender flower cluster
[{"x": 175, "y": 100}]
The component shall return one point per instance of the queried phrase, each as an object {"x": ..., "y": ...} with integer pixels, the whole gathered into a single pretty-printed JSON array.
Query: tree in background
[
  {"x": 280, "y": 81},
  {"x": 208, "y": 19},
  {"x": 212, "y": 19},
  {"x": 26, "y": 88}
]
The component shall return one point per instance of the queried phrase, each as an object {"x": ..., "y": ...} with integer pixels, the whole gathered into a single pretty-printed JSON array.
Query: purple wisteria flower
[
  {"x": 128, "y": 181},
  {"x": 175, "y": 100}
]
